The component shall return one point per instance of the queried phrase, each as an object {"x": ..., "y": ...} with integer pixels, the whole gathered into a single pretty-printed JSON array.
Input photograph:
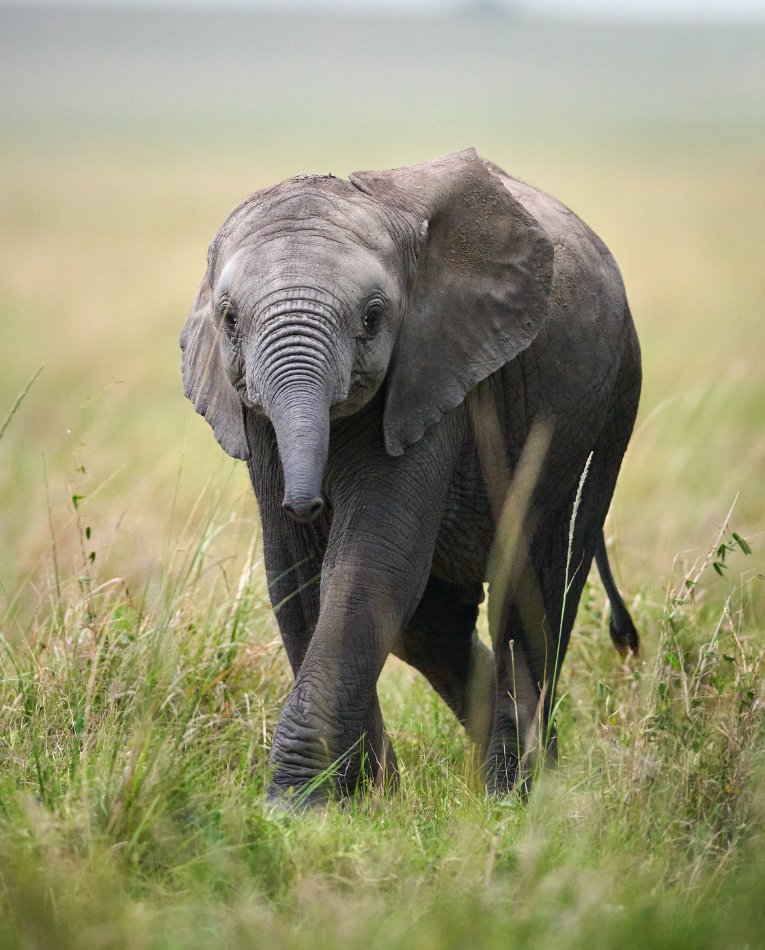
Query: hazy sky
[{"x": 637, "y": 9}]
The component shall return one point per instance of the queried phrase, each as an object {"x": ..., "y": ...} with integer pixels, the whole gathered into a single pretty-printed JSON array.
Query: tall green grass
[{"x": 134, "y": 763}]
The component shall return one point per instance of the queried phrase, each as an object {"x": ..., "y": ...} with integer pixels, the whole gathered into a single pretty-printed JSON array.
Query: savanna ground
[{"x": 140, "y": 668}]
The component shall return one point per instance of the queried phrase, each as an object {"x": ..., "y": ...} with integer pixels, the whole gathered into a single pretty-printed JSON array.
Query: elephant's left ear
[
  {"x": 480, "y": 292},
  {"x": 204, "y": 379}
]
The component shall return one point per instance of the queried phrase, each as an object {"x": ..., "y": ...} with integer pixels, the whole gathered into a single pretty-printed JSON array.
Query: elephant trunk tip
[{"x": 303, "y": 509}]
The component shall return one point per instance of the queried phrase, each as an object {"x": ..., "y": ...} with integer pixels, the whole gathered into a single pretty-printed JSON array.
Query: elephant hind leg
[
  {"x": 534, "y": 626},
  {"x": 519, "y": 714},
  {"x": 440, "y": 641}
]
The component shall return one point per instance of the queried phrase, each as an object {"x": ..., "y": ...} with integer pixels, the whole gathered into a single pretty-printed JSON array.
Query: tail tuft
[{"x": 623, "y": 632}]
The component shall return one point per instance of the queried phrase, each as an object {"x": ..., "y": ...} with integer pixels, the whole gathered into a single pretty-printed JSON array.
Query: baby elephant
[{"x": 432, "y": 374}]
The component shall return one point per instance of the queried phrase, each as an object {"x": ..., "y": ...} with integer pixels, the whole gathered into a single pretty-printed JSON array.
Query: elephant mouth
[{"x": 361, "y": 390}]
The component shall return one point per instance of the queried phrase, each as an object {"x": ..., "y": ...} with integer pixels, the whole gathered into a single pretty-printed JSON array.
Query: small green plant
[{"x": 736, "y": 541}]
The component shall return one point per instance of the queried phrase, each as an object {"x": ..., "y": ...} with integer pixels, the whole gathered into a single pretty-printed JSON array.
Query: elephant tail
[{"x": 621, "y": 627}]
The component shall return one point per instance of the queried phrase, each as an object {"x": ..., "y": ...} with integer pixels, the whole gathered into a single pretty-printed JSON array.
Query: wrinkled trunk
[
  {"x": 300, "y": 366},
  {"x": 300, "y": 417}
]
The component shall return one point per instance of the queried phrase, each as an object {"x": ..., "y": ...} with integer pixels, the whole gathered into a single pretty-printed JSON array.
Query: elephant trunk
[
  {"x": 301, "y": 367},
  {"x": 300, "y": 417}
]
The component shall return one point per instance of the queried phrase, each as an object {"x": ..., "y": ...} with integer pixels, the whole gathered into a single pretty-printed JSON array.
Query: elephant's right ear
[{"x": 204, "y": 379}]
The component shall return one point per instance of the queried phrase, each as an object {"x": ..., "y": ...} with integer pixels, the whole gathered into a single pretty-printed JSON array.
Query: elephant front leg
[
  {"x": 293, "y": 552},
  {"x": 293, "y": 556},
  {"x": 331, "y": 733},
  {"x": 330, "y": 738}
]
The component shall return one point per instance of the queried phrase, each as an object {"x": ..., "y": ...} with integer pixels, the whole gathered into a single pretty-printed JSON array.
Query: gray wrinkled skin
[{"x": 379, "y": 351}]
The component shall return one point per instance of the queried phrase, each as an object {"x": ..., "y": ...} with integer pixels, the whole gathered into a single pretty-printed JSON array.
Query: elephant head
[{"x": 318, "y": 290}]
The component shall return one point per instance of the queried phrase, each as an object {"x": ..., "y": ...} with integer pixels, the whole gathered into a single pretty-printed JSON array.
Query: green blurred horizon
[{"x": 351, "y": 82}]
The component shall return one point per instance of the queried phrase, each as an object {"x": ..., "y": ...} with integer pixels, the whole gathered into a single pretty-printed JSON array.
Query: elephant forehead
[
  {"x": 310, "y": 198},
  {"x": 322, "y": 206},
  {"x": 304, "y": 251}
]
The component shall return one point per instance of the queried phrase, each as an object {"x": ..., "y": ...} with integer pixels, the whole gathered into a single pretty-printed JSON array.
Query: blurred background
[{"x": 127, "y": 133}]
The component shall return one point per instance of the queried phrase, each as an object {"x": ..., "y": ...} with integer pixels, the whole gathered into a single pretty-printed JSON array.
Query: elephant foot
[
  {"x": 350, "y": 775},
  {"x": 382, "y": 771},
  {"x": 502, "y": 773},
  {"x": 508, "y": 770},
  {"x": 293, "y": 800},
  {"x": 502, "y": 781}
]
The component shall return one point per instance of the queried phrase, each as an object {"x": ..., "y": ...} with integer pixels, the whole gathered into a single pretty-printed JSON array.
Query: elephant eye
[
  {"x": 227, "y": 314},
  {"x": 373, "y": 314}
]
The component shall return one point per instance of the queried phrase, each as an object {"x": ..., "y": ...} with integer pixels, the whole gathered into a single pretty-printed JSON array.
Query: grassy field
[{"x": 141, "y": 674}]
